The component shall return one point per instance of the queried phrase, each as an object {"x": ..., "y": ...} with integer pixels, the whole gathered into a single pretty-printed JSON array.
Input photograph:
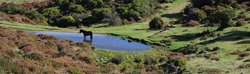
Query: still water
[{"x": 100, "y": 41}]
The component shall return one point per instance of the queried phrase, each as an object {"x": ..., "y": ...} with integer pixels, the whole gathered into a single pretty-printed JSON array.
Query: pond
[{"x": 100, "y": 41}]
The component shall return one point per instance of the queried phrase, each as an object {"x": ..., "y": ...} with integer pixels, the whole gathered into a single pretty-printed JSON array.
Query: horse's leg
[
  {"x": 91, "y": 35},
  {"x": 84, "y": 35}
]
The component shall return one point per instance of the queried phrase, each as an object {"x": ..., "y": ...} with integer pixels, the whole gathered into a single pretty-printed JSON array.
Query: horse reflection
[{"x": 87, "y": 41}]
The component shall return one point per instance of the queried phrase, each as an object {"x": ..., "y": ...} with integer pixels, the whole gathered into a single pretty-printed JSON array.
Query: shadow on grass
[
  {"x": 231, "y": 36},
  {"x": 244, "y": 42},
  {"x": 185, "y": 37},
  {"x": 174, "y": 15}
]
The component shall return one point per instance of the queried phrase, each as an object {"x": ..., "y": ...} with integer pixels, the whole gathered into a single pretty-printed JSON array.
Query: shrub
[
  {"x": 115, "y": 20},
  {"x": 105, "y": 20},
  {"x": 94, "y": 4},
  {"x": 176, "y": 55},
  {"x": 156, "y": 24},
  {"x": 117, "y": 59},
  {"x": 34, "y": 15},
  {"x": 76, "y": 8},
  {"x": 194, "y": 13},
  {"x": 140, "y": 66},
  {"x": 248, "y": 60},
  {"x": 50, "y": 12},
  {"x": 243, "y": 12},
  {"x": 125, "y": 22},
  {"x": 34, "y": 56},
  {"x": 87, "y": 59},
  {"x": 69, "y": 41},
  {"x": 223, "y": 16},
  {"x": 130, "y": 40},
  {"x": 136, "y": 72},
  {"x": 179, "y": 62},
  {"x": 123, "y": 38},
  {"x": 248, "y": 49},
  {"x": 215, "y": 58},
  {"x": 138, "y": 59},
  {"x": 201, "y": 14},
  {"x": 83, "y": 45},
  {"x": 244, "y": 54},
  {"x": 244, "y": 66},
  {"x": 75, "y": 70},
  {"x": 151, "y": 68},
  {"x": 9, "y": 65},
  {"x": 242, "y": 16},
  {"x": 191, "y": 23},
  {"x": 240, "y": 58},
  {"x": 248, "y": 8},
  {"x": 108, "y": 67},
  {"x": 191, "y": 48},
  {"x": 101, "y": 13},
  {"x": 216, "y": 48},
  {"x": 150, "y": 60},
  {"x": 240, "y": 23},
  {"x": 11, "y": 8},
  {"x": 235, "y": 52},
  {"x": 66, "y": 21},
  {"x": 66, "y": 47}
]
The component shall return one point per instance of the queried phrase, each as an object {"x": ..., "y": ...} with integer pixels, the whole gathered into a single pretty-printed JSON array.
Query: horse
[{"x": 86, "y": 33}]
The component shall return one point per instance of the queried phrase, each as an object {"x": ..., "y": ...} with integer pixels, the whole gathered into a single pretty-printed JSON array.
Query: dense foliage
[
  {"x": 223, "y": 16},
  {"x": 212, "y": 12},
  {"x": 87, "y": 12},
  {"x": 156, "y": 24}
]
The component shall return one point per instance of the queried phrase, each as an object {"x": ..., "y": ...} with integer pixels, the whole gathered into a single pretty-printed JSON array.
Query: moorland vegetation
[{"x": 207, "y": 36}]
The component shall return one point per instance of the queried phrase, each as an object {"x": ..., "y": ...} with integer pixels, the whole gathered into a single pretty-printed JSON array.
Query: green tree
[
  {"x": 11, "y": 8},
  {"x": 114, "y": 19},
  {"x": 94, "y": 4},
  {"x": 156, "y": 24},
  {"x": 66, "y": 21},
  {"x": 76, "y": 8},
  {"x": 50, "y": 13},
  {"x": 223, "y": 16},
  {"x": 100, "y": 13}
]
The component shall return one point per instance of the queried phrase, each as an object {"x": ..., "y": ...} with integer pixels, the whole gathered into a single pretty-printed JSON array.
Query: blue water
[{"x": 100, "y": 41}]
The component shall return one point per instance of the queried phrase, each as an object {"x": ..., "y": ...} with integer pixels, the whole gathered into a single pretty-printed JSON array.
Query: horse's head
[{"x": 81, "y": 31}]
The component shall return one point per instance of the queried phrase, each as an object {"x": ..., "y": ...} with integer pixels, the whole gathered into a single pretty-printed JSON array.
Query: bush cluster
[
  {"x": 190, "y": 48},
  {"x": 156, "y": 24},
  {"x": 66, "y": 13},
  {"x": 29, "y": 53},
  {"x": 117, "y": 59}
]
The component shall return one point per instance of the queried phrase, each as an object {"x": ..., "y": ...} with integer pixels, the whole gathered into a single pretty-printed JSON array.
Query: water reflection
[
  {"x": 87, "y": 41},
  {"x": 100, "y": 41}
]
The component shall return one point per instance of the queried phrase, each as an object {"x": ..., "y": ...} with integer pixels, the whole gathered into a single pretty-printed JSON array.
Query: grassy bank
[{"x": 15, "y": 25}]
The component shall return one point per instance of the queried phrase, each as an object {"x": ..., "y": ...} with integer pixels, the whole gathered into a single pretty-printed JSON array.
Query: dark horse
[{"x": 86, "y": 33}]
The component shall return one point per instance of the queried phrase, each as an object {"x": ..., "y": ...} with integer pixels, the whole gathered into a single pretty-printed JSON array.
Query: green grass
[
  {"x": 23, "y": 26},
  {"x": 20, "y": 1}
]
